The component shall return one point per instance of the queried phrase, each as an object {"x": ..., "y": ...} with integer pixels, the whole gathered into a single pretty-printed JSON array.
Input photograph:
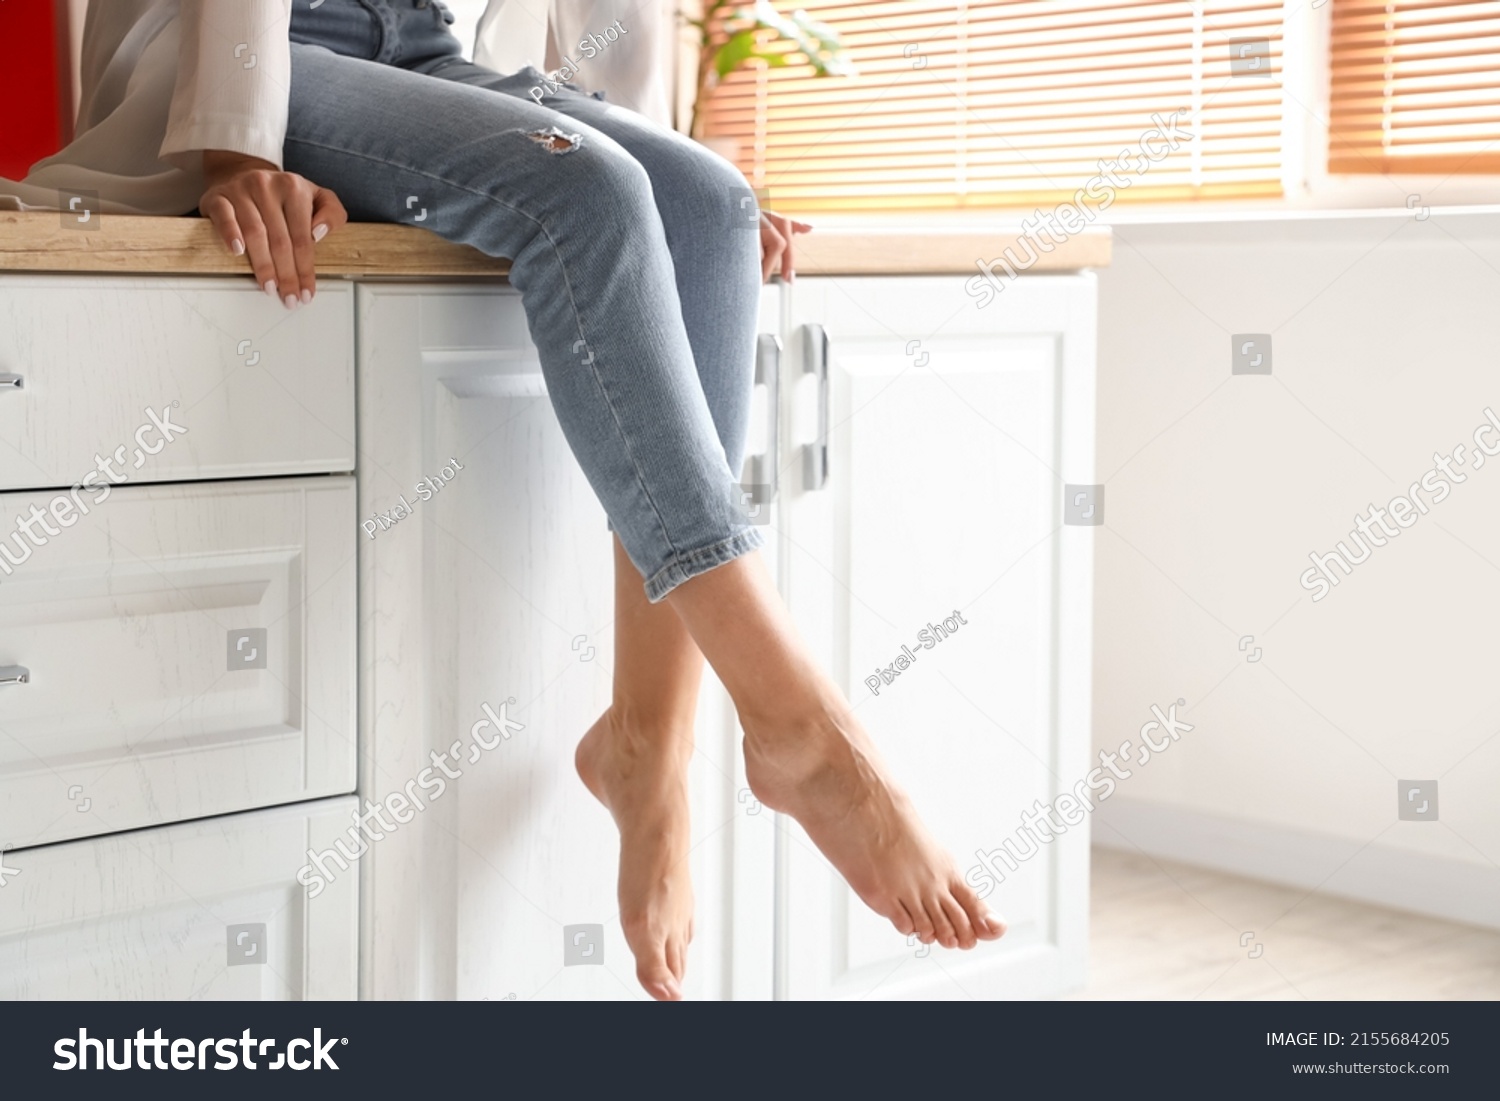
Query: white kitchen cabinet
[
  {"x": 950, "y": 434},
  {"x": 188, "y": 649},
  {"x": 86, "y": 360},
  {"x": 946, "y": 464},
  {"x": 203, "y": 910},
  {"x": 499, "y": 588}
]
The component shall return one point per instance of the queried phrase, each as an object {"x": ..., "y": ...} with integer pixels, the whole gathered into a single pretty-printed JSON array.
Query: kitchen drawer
[
  {"x": 259, "y": 390},
  {"x": 191, "y": 651},
  {"x": 204, "y": 910}
]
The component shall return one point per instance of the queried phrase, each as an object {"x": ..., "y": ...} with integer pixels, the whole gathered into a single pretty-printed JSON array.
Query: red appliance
[{"x": 36, "y": 89}]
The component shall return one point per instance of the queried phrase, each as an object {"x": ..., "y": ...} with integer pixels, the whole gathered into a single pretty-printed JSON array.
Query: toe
[
  {"x": 942, "y": 928},
  {"x": 902, "y": 920},
  {"x": 987, "y": 926},
  {"x": 992, "y": 925},
  {"x": 652, "y": 966},
  {"x": 658, "y": 981},
  {"x": 921, "y": 923},
  {"x": 960, "y": 922}
]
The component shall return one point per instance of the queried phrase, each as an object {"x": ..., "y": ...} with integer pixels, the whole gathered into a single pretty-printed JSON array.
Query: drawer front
[
  {"x": 247, "y": 387},
  {"x": 190, "y": 650},
  {"x": 206, "y": 910}
]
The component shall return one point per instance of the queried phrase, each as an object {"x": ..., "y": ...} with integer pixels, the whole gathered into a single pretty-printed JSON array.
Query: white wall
[{"x": 1386, "y": 349}]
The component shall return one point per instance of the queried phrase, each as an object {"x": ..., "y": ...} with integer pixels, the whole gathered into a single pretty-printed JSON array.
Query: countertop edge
[{"x": 41, "y": 242}]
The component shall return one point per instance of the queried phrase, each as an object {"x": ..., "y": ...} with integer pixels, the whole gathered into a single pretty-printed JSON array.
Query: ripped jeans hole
[{"x": 555, "y": 141}]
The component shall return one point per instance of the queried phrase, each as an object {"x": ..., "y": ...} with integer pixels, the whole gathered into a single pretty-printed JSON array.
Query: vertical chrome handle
[
  {"x": 764, "y": 470},
  {"x": 15, "y": 674},
  {"x": 815, "y": 363},
  {"x": 12, "y": 382}
]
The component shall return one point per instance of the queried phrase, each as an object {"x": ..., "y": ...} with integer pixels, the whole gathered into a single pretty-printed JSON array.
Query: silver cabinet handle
[
  {"x": 815, "y": 362},
  {"x": 15, "y": 674},
  {"x": 764, "y": 481},
  {"x": 12, "y": 382}
]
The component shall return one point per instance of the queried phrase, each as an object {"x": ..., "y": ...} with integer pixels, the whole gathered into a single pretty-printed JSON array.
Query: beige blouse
[{"x": 164, "y": 80}]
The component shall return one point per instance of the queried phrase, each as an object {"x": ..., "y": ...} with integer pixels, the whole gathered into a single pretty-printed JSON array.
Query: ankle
[
  {"x": 642, "y": 731},
  {"x": 810, "y": 707}
]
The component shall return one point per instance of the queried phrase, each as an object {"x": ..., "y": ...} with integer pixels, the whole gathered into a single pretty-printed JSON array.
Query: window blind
[
  {"x": 994, "y": 103},
  {"x": 1415, "y": 87}
]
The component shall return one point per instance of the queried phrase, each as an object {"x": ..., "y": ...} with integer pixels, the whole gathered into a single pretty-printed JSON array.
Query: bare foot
[
  {"x": 827, "y": 775},
  {"x": 641, "y": 776}
]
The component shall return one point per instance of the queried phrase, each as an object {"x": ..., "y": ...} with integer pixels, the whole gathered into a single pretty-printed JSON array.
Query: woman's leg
[
  {"x": 806, "y": 754},
  {"x": 635, "y": 761}
]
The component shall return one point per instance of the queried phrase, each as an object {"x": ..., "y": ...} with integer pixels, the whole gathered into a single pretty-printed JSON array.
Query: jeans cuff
[{"x": 690, "y": 564}]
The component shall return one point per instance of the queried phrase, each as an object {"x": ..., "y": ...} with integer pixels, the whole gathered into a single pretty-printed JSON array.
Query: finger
[
  {"x": 328, "y": 213},
  {"x": 772, "y": 244},
  {"x": 299, "y": 215},
  {"x": 220, "y": 211},
  {"x": 787, "y": 271},
  {"x": 802, "y": 227},
  {"x": 256, "y": 245},
  {"x": 279, "y": 239},
  {"x": 768, "y": 258}
]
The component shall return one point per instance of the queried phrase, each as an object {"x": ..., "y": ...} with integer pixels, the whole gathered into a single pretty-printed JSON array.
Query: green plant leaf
[
  {"x": 740, "y": 48},
  {"x": 817, "y": 42}
]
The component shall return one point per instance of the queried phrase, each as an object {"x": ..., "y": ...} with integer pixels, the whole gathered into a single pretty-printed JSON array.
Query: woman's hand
[
  {"x": 273, "y": 215},
  {"x": 776, "y": 233}
]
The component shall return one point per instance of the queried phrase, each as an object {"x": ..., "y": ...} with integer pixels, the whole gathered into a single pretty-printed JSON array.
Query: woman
[{"x": 630, "y": 248}]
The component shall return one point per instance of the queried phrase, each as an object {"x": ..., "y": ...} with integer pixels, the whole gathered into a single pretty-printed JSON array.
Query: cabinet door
[
  {"x": 498, "y": 591},
  {"x": 204, "y": 910},
  {"x": 950, "y": 434},
  {"x": 749, "y": 892}
]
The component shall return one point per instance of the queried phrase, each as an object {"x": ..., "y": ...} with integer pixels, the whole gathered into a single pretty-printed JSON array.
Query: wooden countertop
[{"x": 38, "y": 241}]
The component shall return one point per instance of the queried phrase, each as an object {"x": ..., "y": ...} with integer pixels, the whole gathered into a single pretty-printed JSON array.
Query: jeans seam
[
  {"x": 746, "y": 538},
  {"x": 384, "y": 32},
  {"x": 572, "y": 303}
]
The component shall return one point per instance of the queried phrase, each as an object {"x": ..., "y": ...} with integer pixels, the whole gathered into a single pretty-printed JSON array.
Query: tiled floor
[{"x": 1165, "y": 930}]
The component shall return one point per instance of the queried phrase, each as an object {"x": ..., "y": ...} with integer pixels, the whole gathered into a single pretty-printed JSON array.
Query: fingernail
[
  {"x": 271, "y": 287},
  {"x": 306, "y": 296},
  {"x": 291, "y": 302},
  {"x": 237, "y": 247},
  {"x": 319, "y": 232}
]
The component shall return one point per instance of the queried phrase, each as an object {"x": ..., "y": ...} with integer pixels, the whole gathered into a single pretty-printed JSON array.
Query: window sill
[{"x": 1122, "y": 216}]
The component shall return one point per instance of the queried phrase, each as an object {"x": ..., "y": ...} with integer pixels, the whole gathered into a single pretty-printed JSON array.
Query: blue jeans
[{"x": 635, "y": 252}]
